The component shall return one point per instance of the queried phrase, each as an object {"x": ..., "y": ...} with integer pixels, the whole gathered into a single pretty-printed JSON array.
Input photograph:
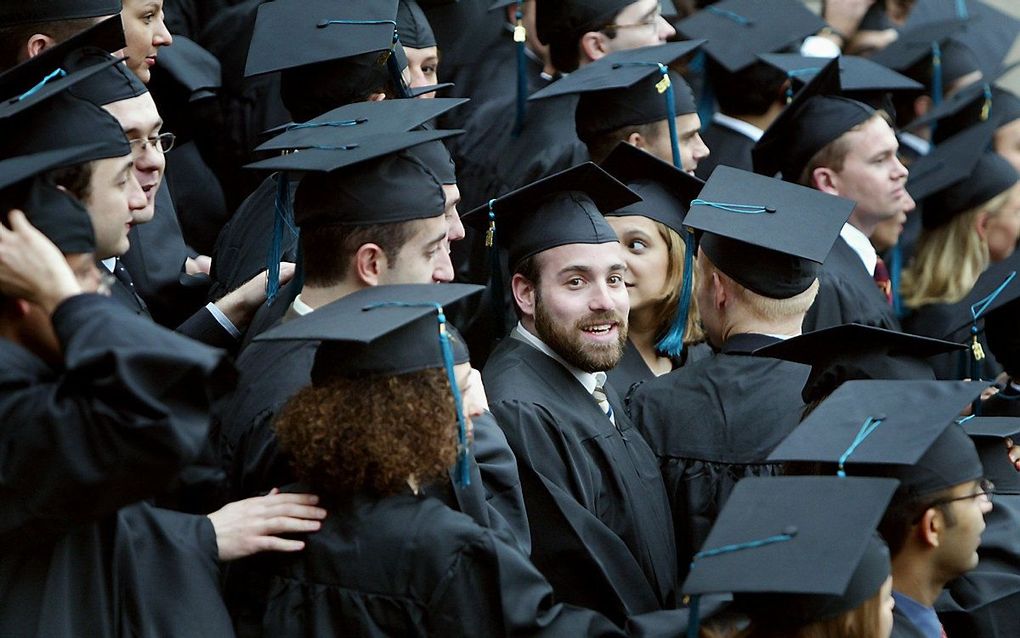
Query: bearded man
[{"x": 601, "y": 530}]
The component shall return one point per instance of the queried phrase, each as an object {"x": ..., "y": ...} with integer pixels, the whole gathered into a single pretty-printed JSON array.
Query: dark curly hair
[{"x": 348, "y": 435}]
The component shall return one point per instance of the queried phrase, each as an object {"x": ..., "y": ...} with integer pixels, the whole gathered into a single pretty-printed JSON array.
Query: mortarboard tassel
[
  {"x": 672, "y": 343},
  {"x": 330, "y": 123},
  {"x": 496, "y": 269},
  {"x": 798, "y": 73},
  {"x": 520, "y": 40},
  {"x": 961, "y": 10},
  {"x": 895, "y": 276},
  {"x": 740, "y": 209},
  {"x": 977, "y": 310},
  {"x": 870, "y": 425},
  {"x": 283, "y": 221},
  {"x": 936, "y": 73},
  {"x": 57, "y": 73},
  {"x": 986, "y": 108},
  {"x": 694, "y": 620}
]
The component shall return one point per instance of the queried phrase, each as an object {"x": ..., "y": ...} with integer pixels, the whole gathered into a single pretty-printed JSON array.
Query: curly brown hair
[{"x": 348, "y": 435}]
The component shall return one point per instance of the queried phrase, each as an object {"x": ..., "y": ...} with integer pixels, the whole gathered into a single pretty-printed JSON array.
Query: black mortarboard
[
  {"x": 901, "y": 429},
  {"x": 21, "y": 91},
  {"x": 988, "y": 433},
  {"x": 571, "y": 18},
  {"x": 384, "y": 331},
  {"x": 112, "y": 84},
  {"x": 358, "y": 120},
  {"x": 796, "y": 549},
  {"x": 853, "y": 352},
  {"x": 770, "y": 236},
  {"x": 959, "y": 174},
  {"x": 14, "y": 12},
  {"x": 915, "y": 43},
  {"x": 55, "y": 213},
  {"x": 193, "y": 68},
  {"x": 413, "y": 26},
  {"x": 565, "y": 208},
  {"x": 293, "y": 33},
  {"x": 738, "y": 30},
  {"x": 437, "y": 157},
  {"x": 997, "y": 286},
  {"x": 973, "y": 104},
  {"x": 856, "y": 74},
  {"x": 395, "y": 186},
  {"x": 817, "y": 116},
  {"x": 987, "y": 32},
  {"x": 1003, "y": 337}
]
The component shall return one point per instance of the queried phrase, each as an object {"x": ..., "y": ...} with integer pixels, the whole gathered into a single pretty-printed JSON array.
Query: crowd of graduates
[{"x": 525, "y": 317}]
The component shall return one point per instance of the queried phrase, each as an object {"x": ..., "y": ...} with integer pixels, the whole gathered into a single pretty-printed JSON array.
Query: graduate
[
  {"x": 713, "y": 422},
  {"x": 846, "y": 148}
]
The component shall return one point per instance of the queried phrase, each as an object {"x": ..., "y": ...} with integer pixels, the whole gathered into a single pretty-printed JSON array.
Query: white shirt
[
  {"x": 862, "y": 246},
  {"x": 300, "y": 307},
  {"x": 589, "y": 380},
  {"x": 919, "y": 144},
  {"x": 110, "y": 263},
  {"x": 740, "y": 126}
]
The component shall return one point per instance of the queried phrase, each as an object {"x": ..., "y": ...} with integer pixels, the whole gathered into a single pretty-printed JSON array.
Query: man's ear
[
  {"x": 720, "y": 294},
  {"x": 369, "y": 263},
  {"x": 637, "y": 140},
  {"x": 929, "y": 530},
  {"x": 981, "y": 224},
  {"x": 826, "y": 180},
  {"x": 524, "y": 294},
  {"x": 35, "y": 45},
  {"x": 592, "y": 46},
  {"x": 376, "y": 97}
]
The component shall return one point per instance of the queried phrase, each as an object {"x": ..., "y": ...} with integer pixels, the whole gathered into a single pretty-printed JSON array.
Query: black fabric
[
  {"x": 112, "y": 84},
  {"x": 599, "y": 515},
  {"x": 848, "y": 294},
  {"x": 571, "y": 18},
  {"x": 939, "y": 319},
  {"x": 137, "y": 397},
  {"x": 58, "y": 215},
  {"x": 61, "y": 122},
  {"x": 713, "y": 423},
  {"x": 1005, "y": 403},
  {"x": 28, "y": 11},
  {"x": 632, "y": 371},
  {"x": 728, "y": 148},
  {"x": 413, "y": 26}
]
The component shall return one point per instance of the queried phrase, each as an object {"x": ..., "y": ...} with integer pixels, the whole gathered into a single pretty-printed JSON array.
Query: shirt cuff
[
  {"x": 222, "y": 319},
  {"x": 816, "y": 47}
]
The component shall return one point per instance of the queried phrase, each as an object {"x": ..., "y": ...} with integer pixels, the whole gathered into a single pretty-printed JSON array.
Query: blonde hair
[
  {"x": 665, "y": 309},
  {"x": 766, "y": 308},
  {"x": 949, "y": 258}
]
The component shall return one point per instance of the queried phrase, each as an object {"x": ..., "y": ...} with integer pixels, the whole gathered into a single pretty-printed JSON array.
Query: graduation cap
[
  {"x": 816, "y": 117},
  {"x": 111, "y": 84},
  {"x": 901, "y": 429},
  {"x": 15, "y": 12},
  {"x": 437, "y": 158},
  {"x": 917, "y": 43},
  {"x": 19, "y": 93},
  {"x": 853, "y": 351},
  {"x": 857, "y": 75},
  {"x": 988, "y": 433},
  {"x": 195, "y": 70},
  {"x": 628, "y": 88},
  {"x": 1003, "y": 337},
  {"x": 768, "y": 235},
  {"x": 565, "y": 208},
  {"x": 384, "y": 331},
  {"x": 959, "y": 174},
  {"x": 666, "y": 193},
  {"x": 293, "y": 33},
  {"x": 976, "y": 103},
  {"x": 571, "y": 18},
  {"x": 987, "y": 32},
  {"x": 359, "y": 120},
  {"x": 738, "y": 30},
  {"x": 413, "y": 26},
  {"x": 55, "y": 213},
  {"x": 796, "y": 549}
]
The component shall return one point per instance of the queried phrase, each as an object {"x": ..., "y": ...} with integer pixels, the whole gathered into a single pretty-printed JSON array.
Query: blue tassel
[
  {"x": 895, "y": 276},
  {"x": 283, "y": 222},
  {"x": 936, "y": 73},
  {"x": 694, "y": 617},
  {"x": 664, "y": 87},
  {"x": 961, "y": 10},
  {"x": 977, "y": 310},
  {"x": 57, "y": 73},
  {"x": 869, "y": 426},
  {"x": 672, "y": 344},
  {"x": 520, "y": 40},
  {"x": 496, "y": 268},
  {"x": 741, "y": 209}
]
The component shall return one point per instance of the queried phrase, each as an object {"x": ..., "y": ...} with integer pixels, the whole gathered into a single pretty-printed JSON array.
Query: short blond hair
[{"x": 766, "y": 308}]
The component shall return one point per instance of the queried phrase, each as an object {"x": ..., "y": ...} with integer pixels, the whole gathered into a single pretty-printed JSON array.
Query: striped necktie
[{"x": 600, "y": 395}]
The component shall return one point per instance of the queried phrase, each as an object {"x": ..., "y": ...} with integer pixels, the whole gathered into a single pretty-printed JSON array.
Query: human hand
[
  {"x": 240, "y": 305},
  {"x": 845, "y": 15},
  {"x": 200, "y": 265},
  {"x": 867, "y": 41},
  {"x": 31, "y": 267},
  {"x": 1014, "y": 454},
  {"x": 251, "y": 526}
]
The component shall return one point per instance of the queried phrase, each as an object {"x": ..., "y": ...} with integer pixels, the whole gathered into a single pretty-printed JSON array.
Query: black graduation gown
[
  {"x": 726, "y": 147},
  {"x": 128, "y": 410},
  {"x": 848, "y": 294},
  {"x": 713, "y": 423},
  {"x": 1005, "y": 403},
  {"x": 244, "y": 241},
  {"x": 156, "y": 263},
  {"x": 632, "y": 370},
  {"x": 596, "y": 504},
  {"x": 407, "y": 565},
  {"x": 937, "y": 320}
]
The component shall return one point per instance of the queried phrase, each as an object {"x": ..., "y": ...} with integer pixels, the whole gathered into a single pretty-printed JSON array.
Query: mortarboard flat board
[
  {"x": 901, "y": 429},
  {"x": 565, "y": 208},
  {"x": 738, "y": 30},
  {"x": 997, "y": 286},
  {"x": 959, "y": 174},
  {"x": 359, "y": 120},
  {"x": 112, "y": 84},
  {"x": 293, "y": 33},
  {"x": 665, "y": 191},
  {"x": 856, "y": 74},
  {"x": 572, "y": 18},
  {"x": 817, "y": 116},
  {"x": 413, "y": 26},
  {"x": 988, "y": 434},
  {"x": 915, "y": 43},
  {"x": 45, "y": 84},
  {"x": 193, "y": 68},
  {"x": 854, "y": 352},
  {"x": 15, "y": 12},
  {"x": 802, "y": 548},
  {"x": 967, "y": 107},
  {"x": 987, "y": 32},
  {"x": 768, "y": 235}
]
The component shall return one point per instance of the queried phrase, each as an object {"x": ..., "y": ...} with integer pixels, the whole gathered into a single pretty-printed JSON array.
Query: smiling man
[{"x": 595, "y": 500}]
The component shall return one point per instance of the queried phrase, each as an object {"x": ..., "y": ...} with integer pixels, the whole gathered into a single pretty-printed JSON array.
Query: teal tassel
[
  {"x": 57, "y": 73},
  {"x": 672, "y": 344},
  {"x": 869, "y": 426},
  {"x": 694, "y": 617},
  {"x": 283, "y": 222},
  {"x": 895, "y": 276},
  {"x": 936, "y": 73}
]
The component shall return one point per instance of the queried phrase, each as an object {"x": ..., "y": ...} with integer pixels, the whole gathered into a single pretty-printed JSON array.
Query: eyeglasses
[
  {"x": 650, "y": 22},
  {"x": 161, "y": 143},
  {"x": 987, "y": 489}
]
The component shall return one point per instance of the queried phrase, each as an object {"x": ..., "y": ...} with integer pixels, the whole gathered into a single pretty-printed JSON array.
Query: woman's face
[
  {"x": 144, "y": 32},
  {"x": 646, "y": 254},
  {"x": 1002, "y": 229}
]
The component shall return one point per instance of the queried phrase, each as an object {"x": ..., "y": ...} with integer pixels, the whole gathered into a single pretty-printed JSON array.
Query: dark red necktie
[{"x": 882, "y": 280}]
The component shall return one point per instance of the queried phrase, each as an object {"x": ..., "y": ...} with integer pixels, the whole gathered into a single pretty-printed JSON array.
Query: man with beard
[
  {"x": 713, "y": 422},
  {"x": 598, "y": 512}
]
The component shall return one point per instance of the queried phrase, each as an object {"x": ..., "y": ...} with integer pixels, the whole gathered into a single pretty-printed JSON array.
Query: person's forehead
[
  {"x": 639, "y": 8},
  {"x": 589, "y": 256},
  {"x": 873, "y": 136},
  {"x": 631, "y": 223},
  {"x": 136, "y": 113}
]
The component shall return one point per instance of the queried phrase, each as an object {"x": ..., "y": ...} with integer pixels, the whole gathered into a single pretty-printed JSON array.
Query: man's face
[
  {"x": 141, "y": 121},
  {"x": 423, "y": 67},
  {"x": 452, "y": 194},
  {"x": 692, "y": 147},
  {"x": 424, "y": 259},
  {"x": 1007, "y": 142},
  {"x": 639, "y": 24},
  {"x": 958, "y": 553},
  {"x": 873, "y": 176},
  {"x": 144, "y": 32},
  {"x": 114, "y": 199},
  {"x": 581, "y": 304}
]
